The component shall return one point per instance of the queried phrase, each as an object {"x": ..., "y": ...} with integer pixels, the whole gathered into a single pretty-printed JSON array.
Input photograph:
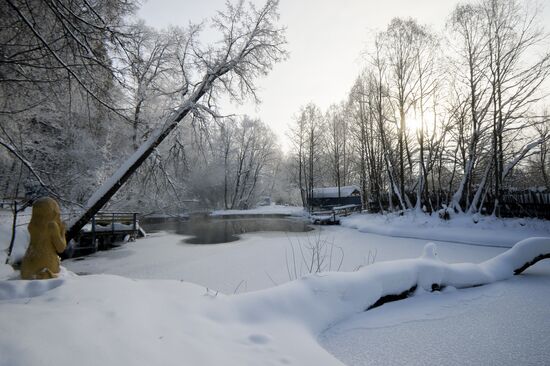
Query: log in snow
[{"x": 319, "y": 300}]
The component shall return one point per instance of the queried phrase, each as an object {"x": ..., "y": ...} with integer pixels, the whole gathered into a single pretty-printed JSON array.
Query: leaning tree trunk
[{"x": 112, "y": 185}]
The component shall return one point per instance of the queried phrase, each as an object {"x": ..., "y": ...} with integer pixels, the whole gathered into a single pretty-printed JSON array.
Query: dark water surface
[{"x": 212, "y": 230}]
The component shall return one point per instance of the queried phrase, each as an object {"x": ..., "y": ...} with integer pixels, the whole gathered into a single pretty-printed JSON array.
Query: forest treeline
[{"x": 452, "y": 118}]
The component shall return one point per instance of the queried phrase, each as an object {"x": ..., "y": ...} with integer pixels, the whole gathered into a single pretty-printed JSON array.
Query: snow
[
  {"x": 112, "y": 320},
  {"x": 22, "y": 238},
  {"x": 157, "y": 215},
  {"x": 490, "y": 325},
  {"x": 322, "y": 218},
  {"x": 344, "y": 207},
  {"x": 264, "y": 210},
  {"x": 256, "y": 257},
  {"x": 460, "y": 228},
  {"x": 112, "y": 226}
]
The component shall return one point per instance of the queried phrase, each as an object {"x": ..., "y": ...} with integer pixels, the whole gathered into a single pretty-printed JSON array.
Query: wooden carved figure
[{"x": 41, "y": 261}]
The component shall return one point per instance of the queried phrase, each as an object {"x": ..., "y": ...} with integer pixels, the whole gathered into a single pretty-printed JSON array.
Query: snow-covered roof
[{"x": 332, "y": 192}]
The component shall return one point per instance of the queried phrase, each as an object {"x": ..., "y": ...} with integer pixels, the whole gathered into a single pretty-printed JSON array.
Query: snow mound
[{"x": 10, "y": 290}]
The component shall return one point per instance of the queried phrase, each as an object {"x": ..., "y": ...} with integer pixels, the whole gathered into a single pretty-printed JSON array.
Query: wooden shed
[{"x": 331, "y": 197}]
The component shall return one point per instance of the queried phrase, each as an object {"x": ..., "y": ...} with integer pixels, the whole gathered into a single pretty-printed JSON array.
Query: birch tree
[
  {"x": 472, "y": 64},
  {"x": 400, "y": 44}
]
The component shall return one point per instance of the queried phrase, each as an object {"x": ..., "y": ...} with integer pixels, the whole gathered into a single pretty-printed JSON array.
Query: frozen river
[{"x": 214, "y": 230}]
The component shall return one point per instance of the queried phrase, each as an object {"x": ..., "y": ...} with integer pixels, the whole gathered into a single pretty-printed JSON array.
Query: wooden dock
[
  {"x": 332, "y": 215},
  {"x": 105, "y": 230}
]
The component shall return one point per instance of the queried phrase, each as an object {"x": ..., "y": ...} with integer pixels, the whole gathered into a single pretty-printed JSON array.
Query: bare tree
[
  {"x": 148, "y": 67},
  {"x": 513, "y": 34},
  {"x": 52, "y": 42},
  {"x": 380, "y": 90},
  {"x": 400, "y": 44},
  {"x": 314, "y": 135},
  {"x": 254, "y": 150},
  {"x": 543, "y": 161},
  {"x": 472, "y": 62},
  {"x": 426, "y": 58},
  {"x": 297, "y": 136},
  {"x": 367, "y": 139},
  {"x": 337, "y": 144}
]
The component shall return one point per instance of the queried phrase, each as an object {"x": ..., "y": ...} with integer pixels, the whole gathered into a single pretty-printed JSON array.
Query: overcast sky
[{"x": 325, "y": 41}]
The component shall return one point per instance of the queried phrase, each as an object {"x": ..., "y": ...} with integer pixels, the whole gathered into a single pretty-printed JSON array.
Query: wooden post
[
  {"x": 14, "y": 226},
  {"x": 93, "y": 234}
]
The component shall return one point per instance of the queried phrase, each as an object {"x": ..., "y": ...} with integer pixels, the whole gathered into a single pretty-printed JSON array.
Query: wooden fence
[{"x": 526, "y": 203}]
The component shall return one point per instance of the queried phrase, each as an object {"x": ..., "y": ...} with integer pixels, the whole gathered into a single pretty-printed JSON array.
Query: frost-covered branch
[
  {"x": 56, "y": 55},
  {"x": 520, "y": 156},
  {"x": 27, "y": 165}
]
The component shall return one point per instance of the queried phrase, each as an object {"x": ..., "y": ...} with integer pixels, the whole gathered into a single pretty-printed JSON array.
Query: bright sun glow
[{"x": 413, "y": 124}]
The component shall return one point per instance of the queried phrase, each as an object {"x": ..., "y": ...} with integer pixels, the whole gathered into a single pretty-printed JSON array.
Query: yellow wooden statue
[{"x": 41, "y": 261}]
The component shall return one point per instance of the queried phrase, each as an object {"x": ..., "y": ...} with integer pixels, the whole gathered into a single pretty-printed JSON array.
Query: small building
[
  {"x": 264, "y": 201},
  {"x": 329, "y": 197}
]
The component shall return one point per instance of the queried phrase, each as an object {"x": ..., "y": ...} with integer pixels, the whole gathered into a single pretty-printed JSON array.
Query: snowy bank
[
  {"x": 112, "y": 320},
  {"x": 467, "y": 229},
  {"x": 264, "y": 210}
]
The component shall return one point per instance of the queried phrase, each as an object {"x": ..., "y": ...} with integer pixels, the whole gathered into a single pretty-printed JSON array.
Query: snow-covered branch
[
  {"x": 27, "y": 165},
  {"x": 520, "y": 156}
]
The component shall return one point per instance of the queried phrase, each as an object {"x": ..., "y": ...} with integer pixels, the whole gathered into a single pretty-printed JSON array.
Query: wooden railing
[{"x": 107, "y": 228}]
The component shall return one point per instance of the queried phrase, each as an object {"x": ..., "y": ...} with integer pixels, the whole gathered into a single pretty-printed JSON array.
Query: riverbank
[{"x": 461, "y": 228}]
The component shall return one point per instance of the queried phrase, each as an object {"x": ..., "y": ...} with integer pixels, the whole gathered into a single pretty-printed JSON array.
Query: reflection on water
[{"x": 206, "y": 230}]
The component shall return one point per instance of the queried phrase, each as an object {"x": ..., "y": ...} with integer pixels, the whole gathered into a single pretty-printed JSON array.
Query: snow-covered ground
[
  {"x": 468, "y": 229},
  {"x": 258, "y": 260},
  {"x": 505, "y": 323},
  {"x": 150, "y": 316},
  {"x": 21, "y": 239}
]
